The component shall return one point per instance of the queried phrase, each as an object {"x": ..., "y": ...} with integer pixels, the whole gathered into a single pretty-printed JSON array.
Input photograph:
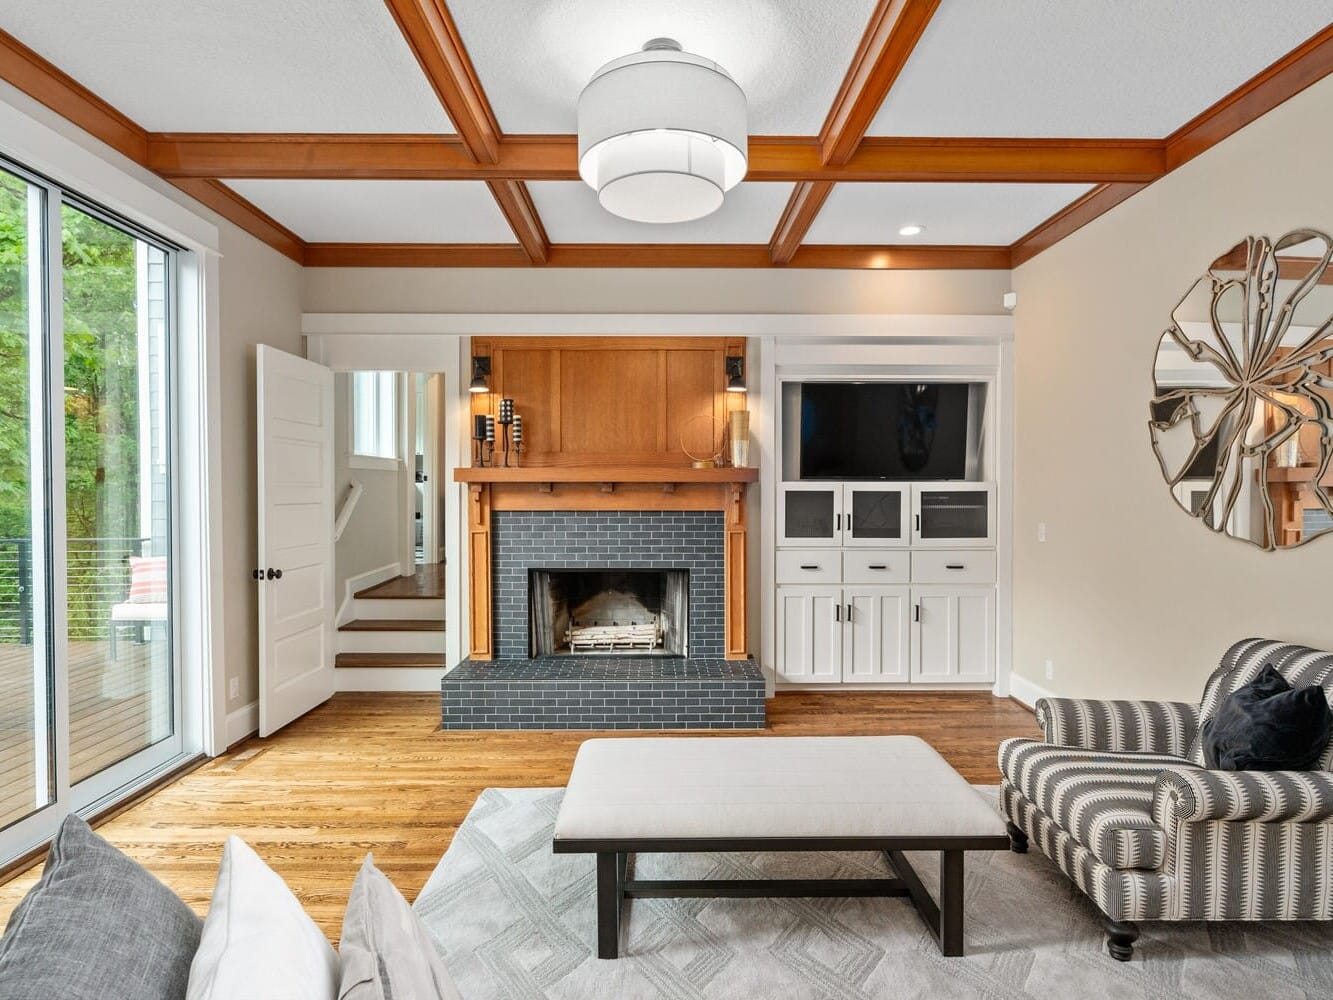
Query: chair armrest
[
  {"x": 1165, "y": 727},
  {"x": 1193, "y": 795}
]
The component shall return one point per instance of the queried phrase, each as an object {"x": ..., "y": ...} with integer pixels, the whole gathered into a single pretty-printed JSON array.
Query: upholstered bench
[{"x": 721, "y": 794}]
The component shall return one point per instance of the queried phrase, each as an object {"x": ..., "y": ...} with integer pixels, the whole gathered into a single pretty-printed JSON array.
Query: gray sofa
[{"x": 1118, "y": 796}]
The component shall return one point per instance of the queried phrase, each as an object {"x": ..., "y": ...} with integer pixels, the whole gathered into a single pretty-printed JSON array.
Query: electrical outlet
[
  {"x": 234, "y": 685},
  {"x": 1050, "y": 670},
  {"x": 1041, "y": 531}
]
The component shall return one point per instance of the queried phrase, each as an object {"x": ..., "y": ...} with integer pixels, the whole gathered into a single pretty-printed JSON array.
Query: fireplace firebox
[{"x": 619, "y": 612}]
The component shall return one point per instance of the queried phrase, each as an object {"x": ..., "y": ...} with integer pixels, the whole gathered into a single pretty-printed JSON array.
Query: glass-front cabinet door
[
  {"x": 876, "y": 515},
  {"x": 810, "y": 514},
  {"x": 957, "y": 514}
]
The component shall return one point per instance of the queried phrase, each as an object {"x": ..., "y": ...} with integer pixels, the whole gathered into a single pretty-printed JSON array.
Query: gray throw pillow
[
  {"x": 386, "y": 952},
  {"x": 97, "y": 925}
]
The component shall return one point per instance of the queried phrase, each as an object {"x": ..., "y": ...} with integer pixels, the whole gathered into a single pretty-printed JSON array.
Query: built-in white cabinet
[
  {"x": 953, "y": 514},
  {"x": 886, "y": 583},
  {"x": 953, "y": 634},
  {"x": 833, "y": 634},
  {"x": 876, "y": 640},
  {"x": 809, "y": 640},
  {"x": 875, "y": 514}
]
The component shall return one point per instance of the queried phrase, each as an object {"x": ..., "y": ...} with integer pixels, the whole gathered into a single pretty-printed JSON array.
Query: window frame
[{"x": 357, "y": 459}]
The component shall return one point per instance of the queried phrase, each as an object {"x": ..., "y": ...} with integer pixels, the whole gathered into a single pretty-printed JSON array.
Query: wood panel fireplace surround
[{"x": 607, "y": 577}]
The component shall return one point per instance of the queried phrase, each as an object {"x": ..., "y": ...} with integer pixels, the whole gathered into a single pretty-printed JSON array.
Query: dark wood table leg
[
  {"x": 951, "y": 903},
  {"x": 610, "y": 875}
]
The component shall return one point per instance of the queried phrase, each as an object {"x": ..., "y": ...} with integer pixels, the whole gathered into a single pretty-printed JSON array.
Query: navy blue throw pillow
[{"x": 1268, "y": 725}]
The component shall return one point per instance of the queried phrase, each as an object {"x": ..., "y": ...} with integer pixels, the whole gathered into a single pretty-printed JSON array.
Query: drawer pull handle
[
  {"x": 954, "y": 566},
  {"x": 810, "y": 566},
  {"x": 877, "y": 566}
]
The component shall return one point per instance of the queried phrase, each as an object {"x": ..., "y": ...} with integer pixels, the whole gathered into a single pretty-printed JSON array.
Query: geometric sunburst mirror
[{"x": 1242, "y": 410}]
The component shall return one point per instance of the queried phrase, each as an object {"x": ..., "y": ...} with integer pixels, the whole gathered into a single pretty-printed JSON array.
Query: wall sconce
[
  {"x": 735, "y": 373},
  {"x": 481, "y": 369}
]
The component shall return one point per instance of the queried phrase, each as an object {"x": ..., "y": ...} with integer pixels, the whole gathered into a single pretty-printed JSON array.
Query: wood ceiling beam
[
  {"x": 692, "y": 255},
  {"x": 807, "y": 198},
  {"x": 516, "y": 204},
  {"x": 895, "y": 28},
  {"x": 1308, "y": 63},
  {"x": 61, "y": 93},
  {"x": 433, "y": 38},
  {"x": 44, "y": 83},
  {"x": 772, "y": 158},
  {"x": 231, "y": 206},
  {"x": 1305, "y": 65}
]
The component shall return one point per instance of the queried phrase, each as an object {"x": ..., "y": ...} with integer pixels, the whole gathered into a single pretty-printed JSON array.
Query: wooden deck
[{"x": 113, "y": 713}]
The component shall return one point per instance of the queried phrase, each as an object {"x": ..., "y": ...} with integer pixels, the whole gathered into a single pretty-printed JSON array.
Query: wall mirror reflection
[{"x": 1241, "y": 415}]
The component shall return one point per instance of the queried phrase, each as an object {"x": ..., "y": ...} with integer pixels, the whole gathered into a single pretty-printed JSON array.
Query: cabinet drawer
[
  {"x": 953, "y": 567},
  {"x": 809, "y": 566},
  {"x": 871, "y": 566}
]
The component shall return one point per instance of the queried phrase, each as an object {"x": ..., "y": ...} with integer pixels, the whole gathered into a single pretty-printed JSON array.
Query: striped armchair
[{"x": 1118, "y": 796}]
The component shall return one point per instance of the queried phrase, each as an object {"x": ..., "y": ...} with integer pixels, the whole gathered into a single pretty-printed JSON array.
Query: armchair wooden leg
[
  {"x": 1120, "y": 938},
  {"x": 1018, "y": 840}
]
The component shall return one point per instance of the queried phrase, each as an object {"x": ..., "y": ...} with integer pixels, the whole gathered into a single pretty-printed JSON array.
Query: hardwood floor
[{"x": 372, "y": 772}]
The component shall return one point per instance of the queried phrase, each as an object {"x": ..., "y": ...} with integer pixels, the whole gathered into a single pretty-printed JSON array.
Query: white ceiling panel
[
  {"x": 237, "y": 66},
  {"x": 1128, "y": 68},
  {"x": 381, "y": 211},
  {"x": 571, "y": 214},
  {"x": 535, "y": 56},
  {"x": 968, "y": 214}
]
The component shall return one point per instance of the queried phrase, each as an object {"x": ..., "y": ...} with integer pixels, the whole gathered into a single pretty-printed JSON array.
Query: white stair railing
[{"x": 345, "y": 512}]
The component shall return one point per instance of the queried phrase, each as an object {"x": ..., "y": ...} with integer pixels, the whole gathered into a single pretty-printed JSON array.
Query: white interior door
[{"x": 296, "y": 603}]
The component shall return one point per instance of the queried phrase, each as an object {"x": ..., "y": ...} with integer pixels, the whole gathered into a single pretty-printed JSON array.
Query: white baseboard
[
  {"x": 906, "y": 687},
  {"x": 360, "y": 582},
  {"x": 1026, "y": 691},
  {"x": 389, "y": 679},
  {"x": 242, "y": 723}
]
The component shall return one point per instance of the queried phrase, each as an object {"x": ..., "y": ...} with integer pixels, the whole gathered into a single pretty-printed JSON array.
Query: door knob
[
  {"x": 275, "y": 574},
  {"x": 258, "y": 574}
]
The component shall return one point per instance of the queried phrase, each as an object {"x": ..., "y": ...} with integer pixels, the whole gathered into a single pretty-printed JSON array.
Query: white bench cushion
[{"x": 831, "y": 786}]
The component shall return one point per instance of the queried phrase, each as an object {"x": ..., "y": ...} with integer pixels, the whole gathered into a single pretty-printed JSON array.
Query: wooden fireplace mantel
[{"x": 600, "y": 487}]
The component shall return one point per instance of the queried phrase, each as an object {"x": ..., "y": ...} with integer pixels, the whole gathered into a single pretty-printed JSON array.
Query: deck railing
[{"x": 98, "y": 577}]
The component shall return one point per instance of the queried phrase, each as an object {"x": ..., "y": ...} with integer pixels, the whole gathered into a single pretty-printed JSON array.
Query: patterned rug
[{"x": 514, "y": 920}]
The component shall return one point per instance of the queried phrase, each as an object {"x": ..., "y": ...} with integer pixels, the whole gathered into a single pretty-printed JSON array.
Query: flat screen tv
[{"x": 886, "y": 430}]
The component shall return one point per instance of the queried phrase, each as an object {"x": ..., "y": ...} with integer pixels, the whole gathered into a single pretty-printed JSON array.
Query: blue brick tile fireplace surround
[{"x": 700, "y": 690}]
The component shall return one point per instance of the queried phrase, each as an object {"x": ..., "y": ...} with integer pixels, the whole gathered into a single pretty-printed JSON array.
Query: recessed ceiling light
[{"x": 911, "y": 230}]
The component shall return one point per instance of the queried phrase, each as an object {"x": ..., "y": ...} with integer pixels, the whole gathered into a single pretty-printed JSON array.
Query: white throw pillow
[
  {"x": 258, "y": 943},
  {"x": 386, "y": 951}
]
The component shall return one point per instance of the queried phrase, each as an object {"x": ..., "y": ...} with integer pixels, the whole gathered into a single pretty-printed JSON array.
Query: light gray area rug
[{"x": 514, "y": 920}]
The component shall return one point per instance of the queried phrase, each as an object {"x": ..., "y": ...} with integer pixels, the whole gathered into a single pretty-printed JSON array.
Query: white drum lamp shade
[{"x": 662, "y": 134}]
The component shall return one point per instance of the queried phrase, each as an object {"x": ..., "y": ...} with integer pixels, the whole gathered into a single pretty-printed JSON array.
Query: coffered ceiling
[{"x": 439, "y": 132}]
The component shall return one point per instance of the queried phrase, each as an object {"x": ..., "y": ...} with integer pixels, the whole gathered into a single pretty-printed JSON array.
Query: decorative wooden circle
[{"x": 702, "y": 451}]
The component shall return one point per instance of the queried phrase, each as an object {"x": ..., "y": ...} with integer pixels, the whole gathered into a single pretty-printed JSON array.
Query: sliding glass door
[
  {"x": 27, "y": 712},
  {"x": 88, "y": 673}
]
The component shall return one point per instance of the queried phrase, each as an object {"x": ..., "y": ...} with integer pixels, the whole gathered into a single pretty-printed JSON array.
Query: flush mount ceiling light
[
  {"x": 911, "y": 229},
  {"x": 662, "y": 134}
]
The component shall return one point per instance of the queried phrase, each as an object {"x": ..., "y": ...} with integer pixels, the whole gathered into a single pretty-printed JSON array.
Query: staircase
[{"x": 395, "y": 627}]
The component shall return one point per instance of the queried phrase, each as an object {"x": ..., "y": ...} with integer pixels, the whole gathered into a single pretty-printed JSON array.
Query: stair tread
[
  {"x": 389, "y": 660},
  {"x": 393, "y": 625},
  {"x": 426, "y": 584}
]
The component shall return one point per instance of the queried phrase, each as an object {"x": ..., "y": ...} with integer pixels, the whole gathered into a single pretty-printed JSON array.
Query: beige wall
[
  {"x": 1129, "y": 597},
  {"x": 462, "y": 290},
  {"x": 260, "y": 292}
]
